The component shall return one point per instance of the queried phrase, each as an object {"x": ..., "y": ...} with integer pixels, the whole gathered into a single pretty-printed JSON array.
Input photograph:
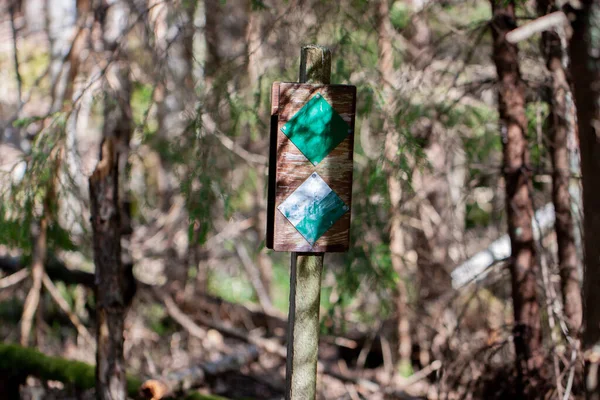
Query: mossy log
[
  {"x": 22, "y": 361},
  {"x": 19, "y": 362}
]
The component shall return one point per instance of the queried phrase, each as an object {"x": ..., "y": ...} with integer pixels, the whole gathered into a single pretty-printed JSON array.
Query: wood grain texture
[{"x": 289, "y": 168}]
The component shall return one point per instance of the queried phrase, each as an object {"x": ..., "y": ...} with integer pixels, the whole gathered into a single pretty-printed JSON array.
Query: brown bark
[
  {"x": 392, "y": 144},
  {"x": 110, "y": 307},
  {"x": 585, "y": 70},
  {"x": 559, "y": 127},
  {"x": 519, "y": 207},
  {"x": 113, "y": 280}
]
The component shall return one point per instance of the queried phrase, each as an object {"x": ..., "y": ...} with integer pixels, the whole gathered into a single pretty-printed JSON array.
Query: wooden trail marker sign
[
  {"x": 310, "y": 196},
  {"x": 310, "y": 167}
]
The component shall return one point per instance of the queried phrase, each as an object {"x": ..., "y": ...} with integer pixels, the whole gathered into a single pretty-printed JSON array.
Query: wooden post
[{"x": 305, "y": 274}]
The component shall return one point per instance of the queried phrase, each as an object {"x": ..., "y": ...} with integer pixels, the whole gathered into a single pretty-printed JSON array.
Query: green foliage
[
  {"x": 14, "y": 232},
  {"x": 22, "y": 203},
  {"x": 60, "y": 238},
  {"x": 11, "y": 309},
  {"x": 141, "y": 100},
  {"x": 537, "y": 113},
  {"x": 67, "y": 293},
  {"x": 36, "y": 63},
  {"x": 258, "y": 5},
  {"x": 157, "y": 319},
  {"x": 405, "y": 369},
  {"x": 476, "y": 216},
  {"x": 281, "y": 282},
  {"x": 481, "y": 146},
  {"x": 26, "y": 121},
  {"x": 231, "y": 288},
  {"x": 367, "y": 264},
  {"x": 400, "y": 15},
  {"x": 356, "y": 47},
  {"x": 475, "y": 12}
]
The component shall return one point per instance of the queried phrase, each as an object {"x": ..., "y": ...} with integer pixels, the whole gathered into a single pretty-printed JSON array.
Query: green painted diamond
[
  {"x": 313, "y": 208},
  {"x": 316, "y": 129}
]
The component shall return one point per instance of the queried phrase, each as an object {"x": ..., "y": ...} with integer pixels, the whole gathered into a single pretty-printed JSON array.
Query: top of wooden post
[{"x": 315, "y": 64}]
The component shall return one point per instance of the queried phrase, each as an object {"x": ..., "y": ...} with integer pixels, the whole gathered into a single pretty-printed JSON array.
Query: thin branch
[
  {"x": 567, "y": 394},
  {"x": 15, "y": 52},
  {"x": 211, "y": 127},
  {"x": 180, "y": 317},
  {"x": 543, "y": 221},
  {"x": 64, "y": 306},
  {"x": 421, "y": 374},
  {"x": 254, "y": 275},
  {"x": 13, "y": 279},
  {"x": 555, "y": 20}
]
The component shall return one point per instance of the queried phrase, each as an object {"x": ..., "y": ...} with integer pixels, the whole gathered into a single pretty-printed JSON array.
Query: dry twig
[
  {"x": 13, "y": 279},
  {"x": 180, "y": 317},
  {"x": 64, "y": 306},
  {"x": 254, "y": 275}
]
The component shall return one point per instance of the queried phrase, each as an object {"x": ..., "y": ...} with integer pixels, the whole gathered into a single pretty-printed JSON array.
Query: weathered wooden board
[{"x": 297, "y": 108}]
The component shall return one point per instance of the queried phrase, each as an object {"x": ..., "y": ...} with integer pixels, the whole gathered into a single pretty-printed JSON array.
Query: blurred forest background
[{"x": 134, "y": 137}]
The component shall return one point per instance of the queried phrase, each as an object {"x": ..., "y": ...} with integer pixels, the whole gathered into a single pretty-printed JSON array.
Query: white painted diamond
[
  {"x": 312, "y": 190},
  {"x": 313, "y": 208}
]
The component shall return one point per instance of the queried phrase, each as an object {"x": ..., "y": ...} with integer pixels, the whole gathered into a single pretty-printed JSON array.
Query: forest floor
[{"x": 210, "y": 346}]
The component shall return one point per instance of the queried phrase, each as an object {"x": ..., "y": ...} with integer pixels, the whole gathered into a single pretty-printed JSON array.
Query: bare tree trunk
[
  {"x": 519, "y": 207},
  {"x": 80, "y": 94},
  {"x": 254, "y": 46},
  {"x": 61, "y": 16},
  {"x": 392, "y": 144},
  {"x": 559, "y": 129},
  {"x": 585, "y": 70},
  {"x": 254, "y": 50},
  {"x": 175, "y": 48},
  {"x": 113, "y": 280},
  {"x": 174, "y": 29}
]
